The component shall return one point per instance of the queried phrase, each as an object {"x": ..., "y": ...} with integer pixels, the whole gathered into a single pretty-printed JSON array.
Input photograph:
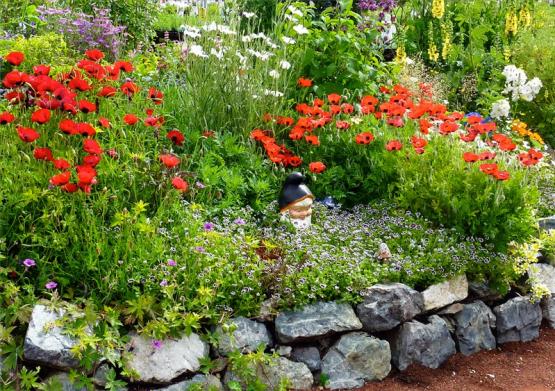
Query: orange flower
[
  {"x": 489, "y": 168},
  {"x": 312, "y": 140},
  {"x": 501, "y": 175},
  {"x": 317, "y": 167},
  {"x": 470, "y": 157},
  {"x": 304, "y": 83},
  {"x": 364, "y": 138},
  {"x": 180, "y": 184},
  {"x": 394, "y": 145},
  {"x": 169, "y": 160}
]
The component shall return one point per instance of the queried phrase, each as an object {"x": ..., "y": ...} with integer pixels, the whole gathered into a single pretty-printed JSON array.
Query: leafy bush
[{"x": 18, "y": 17}]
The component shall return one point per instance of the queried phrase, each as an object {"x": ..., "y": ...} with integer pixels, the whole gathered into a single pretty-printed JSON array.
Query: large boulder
[
  {"x": 445, "y": 293},
  {"x": 356, "y": 359},
  {"x": 247, "y": 336},
  {"x": 473, "y": 326},
  {"x": 426, "y": 344},
  {"x": 316, "y": 320},
  {"x": 46, "y": 343},
  {"x": 518, "y": 320},
  {"x": 543, "y": 274},
  {"x": 386, "y": 306},
  {"x": 273, "y": 374},
  {"x": 309, "y": 355},
  {"x": 205, "y": 382},
  {"x": 161, "y": 362},
  {"x": 548, "y": 310}
]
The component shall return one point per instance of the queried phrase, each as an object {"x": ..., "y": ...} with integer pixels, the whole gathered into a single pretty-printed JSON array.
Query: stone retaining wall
[{"x": 393, "y": 327}]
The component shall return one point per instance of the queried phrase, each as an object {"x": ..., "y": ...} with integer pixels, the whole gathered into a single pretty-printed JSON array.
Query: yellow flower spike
[
  {"x": 438, "y": 8},
  {"x": 401, "y": 54}
]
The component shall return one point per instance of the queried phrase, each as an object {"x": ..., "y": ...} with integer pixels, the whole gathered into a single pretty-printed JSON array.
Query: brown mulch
[{"x": 511, "y": 367}]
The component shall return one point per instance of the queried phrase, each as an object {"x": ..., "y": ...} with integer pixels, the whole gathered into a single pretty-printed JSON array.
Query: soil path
[{"x": 511, "y": 367}]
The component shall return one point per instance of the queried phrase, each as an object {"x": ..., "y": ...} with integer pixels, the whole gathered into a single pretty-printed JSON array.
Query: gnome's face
[
  {"x": 299, "y": 213},
  {"x": 295, "y": 201}
]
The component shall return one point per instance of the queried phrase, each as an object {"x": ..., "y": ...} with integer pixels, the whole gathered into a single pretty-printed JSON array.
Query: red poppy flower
[
  {"x": 334, "y": 99},
  {"x": 296, "y": 133},
  {"x": 470, "y": 137},
  {"x": 67, "y": 126},
  {"x": 530, "y": 158},
  {"x": 335, "y": 109},
  {"x": 318, "y": 102},
  {"x": 94, "y": 54},
  {"x": 176, "y": 137},
  {"x": 470, "y": 157},
  {"x": 294, "y": 161},
  {"x": 487, "y": 155},
  {"x": 208, "y": 133},
  {"x": 258, "y": 134},
  {"x": 6, "y": 118},
  {"x": 91, "y": 146},
  {"x": 91, "y": 160},
  {"x": 448, "y": 127},
  {"x": 156, "y": 96},
  {"x": 85, "y": 129},
  {"x": 507, "y": 145},
  {"x": 86, "y": 107},
  {"x": 129, "y": 88},
  {"x": 474, "y": 119},
  {"x": 27, "y": 134},
  {"x": 267, "y": 117},
  {"x": 418, "y": 143},
  {"x": 60, "y": 179},
  {"x": 364, "y": 138},
  {"x": 489, "y": 168},
  {"x": 317, "y": 167},
  {"x": 41, "y": 116},
  {"x": 347, "y": 108},
  {"x": 41, "y": 70},
  {"x": 169, "y": 160},
  {"x": 285, "y": 121},
  {"x": 342, "y": 125},
  {"x": 501, "y": 175},
  {"x": 312, "y": 139},
  {"x": 43, "y": 154},
  {"x": 394, "y": 145},
  {"x": 130, "y": 119},
  {"x": 304, "y": 83},
  {"x": 70, "y": 187},
  {"x": 107, "y": 92},
  {"x": 124, "y": 66},
  {"x": 396, "y": 121},
  {"x": 61, "y": 164},
  {"x": 180, "y": 184},
  {"x": 104, "y": 122},
  {"x": 15, "y": 58},
  {"x": 79, "y": 84},
  {"x": 14, "y": 96},
  {"x": 86, "y": 175}
]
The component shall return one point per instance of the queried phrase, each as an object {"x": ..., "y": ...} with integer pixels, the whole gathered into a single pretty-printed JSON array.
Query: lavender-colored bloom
[
  {"x": 199, "y": 249},
  {"x": 171, "y": 262},
  {"x": 51, "y": 285},
  {"x": 29, "y": 262},
  {"x": 156, "y": 344},
  {"x": 239, "y": 221},
  {"x": 164, "y": 283},
  {"x": 200, "y": 185},
  {"x": 208, "y": 226}
]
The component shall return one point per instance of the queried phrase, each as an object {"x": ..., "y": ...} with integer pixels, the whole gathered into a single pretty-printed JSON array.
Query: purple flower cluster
[
  {"x": 84, "y": 31},
  {"x": 377, "y": 5}
]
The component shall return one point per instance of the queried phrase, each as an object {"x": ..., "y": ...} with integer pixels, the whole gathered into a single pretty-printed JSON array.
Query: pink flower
[
  {"x": 171, "y": 262},
  {"x": 29, "y": 262},
  {"x": 156, "y": 344},
  {"x": 51, "y": 285}
]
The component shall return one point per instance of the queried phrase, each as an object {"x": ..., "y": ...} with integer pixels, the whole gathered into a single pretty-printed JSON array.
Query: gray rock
[
  {"x": 548, "y": 310},
  {"x": 385, "y": 306},
  {"x": 309, "y": 355},
  {"x": 247, "y": 336},
  {"x": 284, "y": 351},
  {"x": 355, "y": 359},
  {"x": 60, "y": 381},
  {"x": 208, "y": 383},
  {"x": 46, "y": 344},
  {"x": 297, "y": 375},
  {"x": 316, "y": 320},
  {"x": 445, "y": 293},
  {"x": 99, "y": 377},
  {"x": 518, "y": 320},
  {"x": 543, "y": 274},
  {"x": 547, "y": 223},
  {"x": 482, "y": 291},
  {"x": 162, "y": 364},
  {"x": 426, "y": 344},
  {"x": 473, "y": 328}
]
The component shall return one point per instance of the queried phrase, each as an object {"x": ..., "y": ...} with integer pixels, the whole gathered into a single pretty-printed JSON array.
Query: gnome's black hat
[{"x": 294, "y": 190}]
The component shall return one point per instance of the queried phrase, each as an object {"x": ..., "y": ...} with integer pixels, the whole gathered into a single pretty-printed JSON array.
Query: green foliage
[
  {"x": 530, "y": 52},
  {"x": 18, "y": 16},
  {"x": 336, "y": 52}
]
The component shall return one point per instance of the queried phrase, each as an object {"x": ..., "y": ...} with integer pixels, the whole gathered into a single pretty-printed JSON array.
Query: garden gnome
[{"x": 295, "y": 201}]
